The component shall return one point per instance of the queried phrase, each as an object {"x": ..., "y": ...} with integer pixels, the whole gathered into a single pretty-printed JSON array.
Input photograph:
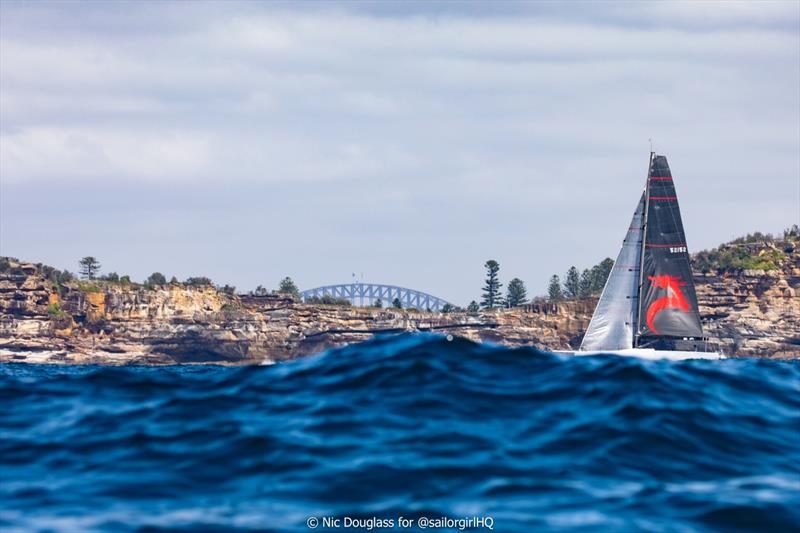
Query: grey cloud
[{"x": 409, "y": 141}]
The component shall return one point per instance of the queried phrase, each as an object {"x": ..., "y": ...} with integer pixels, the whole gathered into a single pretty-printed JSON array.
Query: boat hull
[{"x": 649, "y": 353}]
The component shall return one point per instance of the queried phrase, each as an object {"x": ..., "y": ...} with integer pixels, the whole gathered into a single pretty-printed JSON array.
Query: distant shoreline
[{"x": 749, "y": 312}]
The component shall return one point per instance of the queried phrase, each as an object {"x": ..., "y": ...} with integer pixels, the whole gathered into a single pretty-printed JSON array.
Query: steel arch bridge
[{"x": 362, "y": 294}]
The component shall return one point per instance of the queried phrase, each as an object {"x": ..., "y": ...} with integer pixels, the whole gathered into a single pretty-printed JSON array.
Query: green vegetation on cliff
[
  {"x": 288, "y": 286},
  {"x": 327, "y": 299},
  {"x": 588, "y": 283},
  {"x": 754, "y": 251}
]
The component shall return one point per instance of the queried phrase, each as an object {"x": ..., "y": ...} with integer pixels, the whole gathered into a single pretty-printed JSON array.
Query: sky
[{"x": 405, "y": 142}]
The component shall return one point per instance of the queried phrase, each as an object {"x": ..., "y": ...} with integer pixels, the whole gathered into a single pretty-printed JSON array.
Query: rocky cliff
[{"x": 748, "y": 313}]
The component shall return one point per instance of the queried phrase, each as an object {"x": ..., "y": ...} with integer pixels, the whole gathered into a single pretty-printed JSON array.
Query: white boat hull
[{"x": 649, "y": 353}]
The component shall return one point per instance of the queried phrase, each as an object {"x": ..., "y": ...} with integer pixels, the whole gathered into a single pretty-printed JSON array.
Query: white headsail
[{"x": 614, "y": 320}]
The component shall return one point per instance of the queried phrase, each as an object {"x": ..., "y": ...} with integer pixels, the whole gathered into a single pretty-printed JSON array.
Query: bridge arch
[{"x": 365, "y": 294}]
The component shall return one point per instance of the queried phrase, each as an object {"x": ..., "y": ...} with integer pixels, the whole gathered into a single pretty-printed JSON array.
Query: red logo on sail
[{"x": 674, "y": 298}]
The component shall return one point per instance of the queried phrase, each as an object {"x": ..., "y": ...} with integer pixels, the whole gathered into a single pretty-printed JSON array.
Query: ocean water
[{"x": 407, "y": 431}]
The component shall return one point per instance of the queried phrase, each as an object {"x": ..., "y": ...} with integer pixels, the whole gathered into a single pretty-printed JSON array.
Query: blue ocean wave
[{"x": 410, "y": 425}]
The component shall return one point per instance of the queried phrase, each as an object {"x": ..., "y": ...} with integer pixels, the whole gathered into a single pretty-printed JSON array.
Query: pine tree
[
  {"x": 89, "y": 267},
  {"x": 378, "y": 303},
  {"x": 600, "y": 274},
  {"x": 585, "y": 285},
  {"x": 491, "y": 290},
  {"x": 572, "y": 283},
  {"x": 516, "y": 293},
  {"x": 397, "y": 304},
  {"x": 473, "y": 307},
  {"x": 554, "y": 289}
]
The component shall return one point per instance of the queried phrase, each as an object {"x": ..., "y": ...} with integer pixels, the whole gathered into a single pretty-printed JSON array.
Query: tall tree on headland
[
  {"x": 397, "y": 304},
  {"x": 572, "y": 283},
  {"x": 473, "y": 307},
  {"x": 586, "y": 284},
  {"x": 89, "y": 267},
  {"x": 491, "y": 289},
  {"x": 554, "y": 289},
  {"x": 516, "y": 293}
]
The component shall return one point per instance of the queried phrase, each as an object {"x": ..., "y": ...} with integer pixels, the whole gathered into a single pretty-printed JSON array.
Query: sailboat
[{"x": 648, "y": 307}]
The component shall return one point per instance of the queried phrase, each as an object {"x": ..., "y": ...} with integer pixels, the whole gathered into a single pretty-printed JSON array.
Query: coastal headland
[{"x": 745, "y": 312}]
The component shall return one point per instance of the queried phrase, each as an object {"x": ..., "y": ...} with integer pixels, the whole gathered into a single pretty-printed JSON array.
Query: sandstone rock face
[{"x": 754, "y": 313}]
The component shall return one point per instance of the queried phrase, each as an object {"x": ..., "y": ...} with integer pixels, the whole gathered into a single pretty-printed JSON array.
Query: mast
[{"x": 644, "y": 241}]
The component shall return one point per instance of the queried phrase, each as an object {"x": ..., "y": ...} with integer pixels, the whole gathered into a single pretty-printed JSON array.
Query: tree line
[
  {"x": 492, "y": 295},
  {"x": 575, "y": 285},
  {"x": 89, "y": 269},
  {"x": 580, "y": 285}
]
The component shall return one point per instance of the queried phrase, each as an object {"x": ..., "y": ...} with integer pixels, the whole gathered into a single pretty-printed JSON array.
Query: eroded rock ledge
[{"x": 752, "y": 313}]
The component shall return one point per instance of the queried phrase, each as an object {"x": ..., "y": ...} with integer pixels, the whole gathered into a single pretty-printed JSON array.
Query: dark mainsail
[{"x": 667, "y": 303}]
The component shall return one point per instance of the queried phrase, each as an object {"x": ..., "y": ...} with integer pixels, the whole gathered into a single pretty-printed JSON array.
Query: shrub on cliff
[
  {"x": 113, "y": 277},
  {"x": 156, "y": 278},
  {"x": 752, "y": 238},
  {"x": 88, "y": 287},
  {"x": 198, "y": 281},
  {"x": 55, "y": 311},
  {"x": 232, "y": 312},
  {"x": 738, "y": 257},
  {"x": 287, "y": 286},
  {"x": 327, "y": 299},
  {"x": 57, "y": 277}
]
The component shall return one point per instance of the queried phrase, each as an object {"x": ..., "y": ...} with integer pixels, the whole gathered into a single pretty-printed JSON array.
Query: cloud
[
  {"x": 77, "y": 153},
  {"x": 519, "y": 124}
]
